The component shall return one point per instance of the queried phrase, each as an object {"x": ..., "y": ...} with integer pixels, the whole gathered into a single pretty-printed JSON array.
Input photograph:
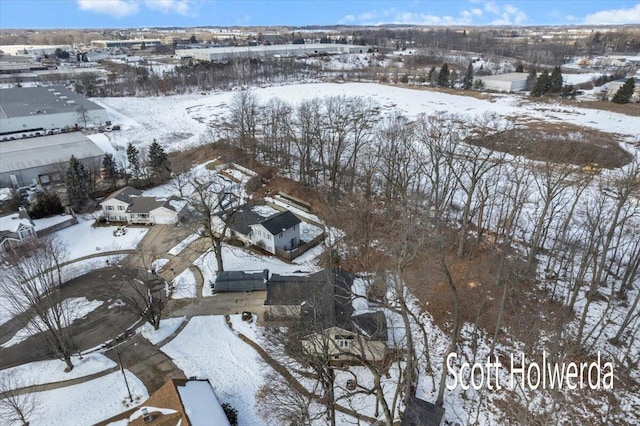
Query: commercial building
[
  {"x": 32, "y": 50},
  {"x": 615, "y": 85},
  {"x": 128, "y": 44},
  {"x": 33, "y": 110},
  {"x": 42, "y": 159},
  {"x": 511, "y": 82},
  {"x": 278, "y": 50}
]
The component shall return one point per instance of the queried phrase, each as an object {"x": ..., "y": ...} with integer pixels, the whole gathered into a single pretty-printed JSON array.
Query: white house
[
  {"x": 128, "y": 205},
  {"x": 511, "y": 82},
  {"x": 15, "y": 229},
  {"x": 278, "y": 232},
  {"x": 344, "y": 345}
]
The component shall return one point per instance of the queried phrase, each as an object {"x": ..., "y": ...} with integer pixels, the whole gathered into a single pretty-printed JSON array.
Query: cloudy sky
[{"x": 186, "y": 13}]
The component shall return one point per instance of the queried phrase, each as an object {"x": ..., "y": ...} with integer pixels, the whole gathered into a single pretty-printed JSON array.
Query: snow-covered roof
[
  {"x": 12, "y": 222},
  {"x": 512, "y": 76},
  {"x": 201, "y": 404}
]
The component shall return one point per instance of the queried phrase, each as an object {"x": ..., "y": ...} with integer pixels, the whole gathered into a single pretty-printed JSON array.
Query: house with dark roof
[
  {"x": 15, "y": 230},
  {"x": 280, "y": 231},
  {"x": 128, "y": 205},
  {"x": 419, "y": 412}
]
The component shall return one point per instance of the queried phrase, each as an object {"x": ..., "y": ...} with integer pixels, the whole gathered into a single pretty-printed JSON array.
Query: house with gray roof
[
  {"x": 419, "y": 412},
  {"x": 15, "y": 230},
  {"x": 127, "y": 205},
  {"x": 240, "y": 281},
  {"x": 280, "y": 231}
]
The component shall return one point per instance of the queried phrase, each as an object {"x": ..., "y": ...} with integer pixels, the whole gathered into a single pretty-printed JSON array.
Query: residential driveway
[{"x": 218, "y": 304}]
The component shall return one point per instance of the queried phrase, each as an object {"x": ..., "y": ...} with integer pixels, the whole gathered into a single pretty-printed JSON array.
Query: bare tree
[
  {"x": 278, "y": 400},
  {"x": 31, "y": 286},
  {"x": 18, "y": 401},
  {"x": 143, "y": 293}
]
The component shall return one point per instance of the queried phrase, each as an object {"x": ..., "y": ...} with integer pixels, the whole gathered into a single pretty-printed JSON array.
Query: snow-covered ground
[
  {"x": 167, "y": 327},
  {"x": 88, "y": 403},
  {"x": 178, "y": 248},
  {"x": 184, "y": 285},
  {"x": 183, "y": 121},
  {"x": 74, "y": 308},
  {"x": 206, "y": 348},
  {"x": 83, "y": 239},
  {"x": 40, "y": 372}
]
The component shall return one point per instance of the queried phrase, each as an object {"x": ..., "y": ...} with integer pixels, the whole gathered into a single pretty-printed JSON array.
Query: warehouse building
[
  {"x": 127, "y": 44},
  {"x": 42, "y": 160},
  {"x": 33, "y": 110},
  {"x": 511, "y": 82},
  {"x": 276, "y": 50}
]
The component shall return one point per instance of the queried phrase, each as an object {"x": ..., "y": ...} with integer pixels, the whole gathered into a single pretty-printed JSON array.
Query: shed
[{"x": 228, "y": 281}]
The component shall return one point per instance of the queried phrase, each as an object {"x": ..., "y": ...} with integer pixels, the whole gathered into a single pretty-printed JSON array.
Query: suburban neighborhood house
[
  {"x": 15, "y": 229},
  {"x": 178, "y": 402},
  {"x": 369, "y": 343},
  {"x": 128, "y": 205},
  {"x": 278, "y": 232}
]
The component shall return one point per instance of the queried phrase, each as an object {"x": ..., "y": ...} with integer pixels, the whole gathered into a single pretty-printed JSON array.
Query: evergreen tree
[
  {"x": 519, "y": 67},
  {"x": 453, "y": 78},
  {"x": 555, "y": 81},
  {"x": 133, "y": 156},
  {"x": 542, "y": 85},
  {"x": 443, "y": 76},
  {"x": 478, "y": 84},
  {"x": 432, "y": 72},
  {"x": 625, "y": 93},
  {"x": 47, "y": 203},
  {"x": 158, "y": 161},
  {"x": 109, "y": 169},
  {"x": 76, "y": 180},
  {"x": 531, "y": 78},
  {"x": 468, "y": 77}
]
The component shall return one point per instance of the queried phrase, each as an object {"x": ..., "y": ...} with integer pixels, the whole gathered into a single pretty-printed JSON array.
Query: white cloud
[
  {"x": 615, "y": 16},
  {"x": 122, "y": 8},
  {"x": 115, "y": 8},
  {"x": 181, "y": 7}
]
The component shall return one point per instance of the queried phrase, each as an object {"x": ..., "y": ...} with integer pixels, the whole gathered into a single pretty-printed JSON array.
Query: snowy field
[
  {"x": 184, "y": 285},
  {"x": 88, "y": 403},
  {"x": 178, "y": 248},
  {"x": 182, "y": 121},
  {"x": 206, "y": 348}
]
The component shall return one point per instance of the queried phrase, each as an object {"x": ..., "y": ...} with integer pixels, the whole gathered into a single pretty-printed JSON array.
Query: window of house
[
  {"x": 145, "y": 215},
  {"x": 120, "y": 207},
  {"x": 281, "y": 234},
  {"x": 109, "y": 207}
]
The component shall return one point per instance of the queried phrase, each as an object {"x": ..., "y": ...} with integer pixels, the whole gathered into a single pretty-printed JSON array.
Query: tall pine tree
[
  {"x": 531, "y": 78},
  {"x": 158, "y": 161},
  {"x": 76, "y": 181},
  {"x": 109, "y": 169},
  {"x": 133, "y": 156},
  {"x": 443, "y": 76},
  {"x": 542, "y": 85},
  {"x": 625, "y": 93},
  {"x": 468, "y": 77},
  {"x": 555, "y": 81}
]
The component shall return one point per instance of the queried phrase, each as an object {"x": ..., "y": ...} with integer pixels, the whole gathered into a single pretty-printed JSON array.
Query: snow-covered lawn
[
  {"x": 83, "y": 239},
  {"x": 158, "y": 264},
  {"x": 85, "y": 266},
  {"x": 308, "y": 231},
  {"x": 184, "y": 285},
  {"x": 206, "y": 348},
  {"x": 167, "y": 327},
  {"x": 178, "y": 248},
  {"x": 75, "y": 308},
  {"x": 36, "y": 373},
  {"x": 88, "y": 403}
]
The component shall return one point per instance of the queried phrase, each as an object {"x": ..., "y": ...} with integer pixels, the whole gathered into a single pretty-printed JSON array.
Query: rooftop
[
  {"x": 45, "y": 151},
  {"x": 124, "y": 194},
  {"x": 26, "y": 101},
  {"x": 280, "y": 221},
  {"x": 512, "y": 76}
]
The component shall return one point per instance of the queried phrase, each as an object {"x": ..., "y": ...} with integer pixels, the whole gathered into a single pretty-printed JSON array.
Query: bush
[
  {"x": 231, "y": 413},
  {"x": 47, "y": 203}
]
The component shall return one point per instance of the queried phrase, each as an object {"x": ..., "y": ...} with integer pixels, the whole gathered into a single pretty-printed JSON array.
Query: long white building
[
  {"x": 33, "y": 110},
  {"x": 511, "y": 82},
  {"x": 276, "y": 50}
]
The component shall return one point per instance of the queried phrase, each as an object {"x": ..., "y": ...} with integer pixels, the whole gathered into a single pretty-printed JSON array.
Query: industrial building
[
  {"x": 511, "y": 82},
  {"x": 128, "y": 44},
  {"x": 277, "y": 50},
  {"x": 33, "y": 110},
  {"x": 42, "y": 159},
  {"x": 615, "y": 85}
]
